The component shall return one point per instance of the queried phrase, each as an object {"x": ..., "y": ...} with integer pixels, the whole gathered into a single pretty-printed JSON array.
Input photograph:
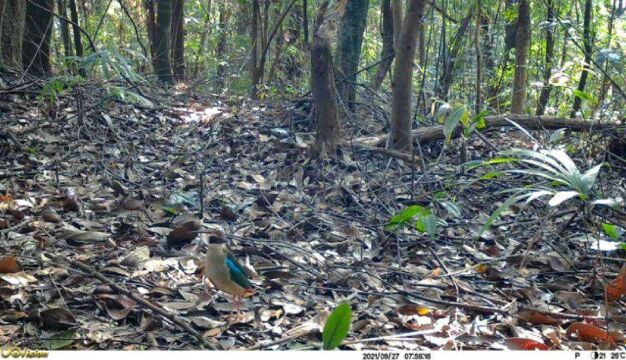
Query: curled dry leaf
[
  {"x": 132, "y": 204},
  {"x": 183, "y": 234},
  {"x": 227, "y": 213},
  {"x": 118, "y": 307},
  {"x": 57, "y": 319},
  {"x": 616, "y": 289},
  {"x": 79, "y": 237},
  {"x": 538, "y": 318},
  {"x": 3, "y": 224},
  {"x": 180, "y": 236},
  {"x": 590, "y": 333},
  {"x": 524, "y": 344},
  {"x": 9, "y": 265},
  {"x": 136, "y": 257},
  {"x": 48, "y": 214},
  {"x": 17, "y": 214},
  {"x": 70, "y": 203}
]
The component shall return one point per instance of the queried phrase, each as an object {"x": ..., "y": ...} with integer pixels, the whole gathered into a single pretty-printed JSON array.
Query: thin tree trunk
[
  {"x": 177, "y": 32},
  {"x": 522, "y": 46},
  {"x": 549, "y": 60},
  {"x": 397, "y": 16},
  {"x": 203, "y": 37},
  {"x": 12, "y": 17},
  {"x": 254, "y": 38},
  {"x": 386, "y": 56},
  {"x": 605, "y": 80},
  {"x": 220, "y": 53},
  {"x": 328, "y": 134},
  {"x": 349, "y": 41},
  {"x": 37, "y": 34},
  {"x": 477, "y": 48},
  {"x": 161, "y": 59},
  {"x": 588, "y": 49},
  {"x": 403, "y": 76},
  {"x": 65, "y": 29},
  {"x": 78, "y": 43},
  {"x": 151, "y": 25},
  {"x": 305, "y": 21}
]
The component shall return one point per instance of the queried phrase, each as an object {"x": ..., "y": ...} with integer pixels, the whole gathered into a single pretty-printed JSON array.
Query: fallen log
[{"x": 433, "y": 133}]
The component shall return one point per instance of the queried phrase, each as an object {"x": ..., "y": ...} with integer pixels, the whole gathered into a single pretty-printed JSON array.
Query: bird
[{"x": 224, "y": 271}]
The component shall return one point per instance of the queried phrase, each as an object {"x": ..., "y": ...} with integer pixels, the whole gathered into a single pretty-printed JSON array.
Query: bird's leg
[{"x": 237, "y": 305}]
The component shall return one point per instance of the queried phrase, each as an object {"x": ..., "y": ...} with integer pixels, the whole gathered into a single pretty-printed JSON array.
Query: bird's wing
[{"x": 237, "y": 273}]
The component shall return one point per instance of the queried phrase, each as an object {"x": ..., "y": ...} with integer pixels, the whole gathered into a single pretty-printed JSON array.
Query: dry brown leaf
[
  {"x": 9, "y": 265},
  {"x": 590, "y": 333},
  {"x": 17, "y": 214},
  {"x": 48, "y": 214},
  {"x": 616, "y": 289},
  {"x": 524, "y": 344},
  {"x": 538, "y": 318}
]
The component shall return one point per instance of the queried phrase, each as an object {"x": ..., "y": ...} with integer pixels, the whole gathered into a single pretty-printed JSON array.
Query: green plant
[
  {"x": 57, "y": 85},
  {"x": 461, "y": 115},
  {"x": 337, "y": 327},
  {"x": 424, "y": 219},
  {"x": 567, "y": 180}
]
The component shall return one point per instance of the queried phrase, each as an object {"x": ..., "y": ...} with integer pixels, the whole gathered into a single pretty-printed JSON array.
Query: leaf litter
[{"x": 120, "y": 188}]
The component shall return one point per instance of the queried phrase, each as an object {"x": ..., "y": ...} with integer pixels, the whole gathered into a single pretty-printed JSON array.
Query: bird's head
[{"x": 217, "y": 237}]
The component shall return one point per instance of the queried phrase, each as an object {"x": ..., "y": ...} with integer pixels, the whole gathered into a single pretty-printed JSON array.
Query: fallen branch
[
  {"x": 433, "y": 133},
  {"x": 173, "y": 318}
]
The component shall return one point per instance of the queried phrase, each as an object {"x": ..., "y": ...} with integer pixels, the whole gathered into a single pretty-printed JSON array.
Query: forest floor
[{"x": 91, "y": 189}]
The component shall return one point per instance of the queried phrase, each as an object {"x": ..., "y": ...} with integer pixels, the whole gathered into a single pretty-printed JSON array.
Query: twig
[{"x": 173, "y": 318}]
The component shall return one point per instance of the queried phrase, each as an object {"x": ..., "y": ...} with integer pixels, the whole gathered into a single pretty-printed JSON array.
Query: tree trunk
[
  {"x": 396, "y": 19},
  {"x": 78, "y": 43},
  {"x": 220, "y": 53},
  {"x": 522, "y": 46},
  {"x": 161, "y": 59},
  {"x": 305, "y": 21},
  {"x": 178, "y": 39},
  {"x": 588, "y": 49},
  {"x": 12, "y": 16},
  {"x": 255, "y": 73},
  {"x": 477, "y": 48},
  {"x": 402, "y": 78},
  {"x": 349, "y": 41},
  {"x": 65, "y": 28},
  {"x": 549, "y": 61},
  {"x": 37, "y": 34},
  {"x": 328, "y": 134},
  {"x": 151, "y": 26},
  {"x": 203, "y": 37},
  {"x": 386, "y": 56}
]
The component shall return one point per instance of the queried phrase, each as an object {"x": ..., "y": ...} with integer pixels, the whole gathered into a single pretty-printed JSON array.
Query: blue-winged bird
[{"x": 224, "y": 271}]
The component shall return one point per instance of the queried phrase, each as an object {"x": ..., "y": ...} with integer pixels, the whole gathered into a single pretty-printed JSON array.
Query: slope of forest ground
[{"x": 91, "y": 189}]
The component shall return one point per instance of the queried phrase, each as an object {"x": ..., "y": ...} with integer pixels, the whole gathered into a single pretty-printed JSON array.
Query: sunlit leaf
[{"x": 337, "y": 326}]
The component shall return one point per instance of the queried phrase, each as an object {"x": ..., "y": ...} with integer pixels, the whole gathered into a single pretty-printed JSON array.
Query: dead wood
[{"x": 433, "y": 133}]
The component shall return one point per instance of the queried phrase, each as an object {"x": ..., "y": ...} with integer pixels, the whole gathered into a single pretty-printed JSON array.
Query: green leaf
[
  {"x": 61, "y": 340},
  {"x": 613, "y": 231},
  {"x": 430, "y": 225},
  {"x": 452, "y": 121},
  {"x": 496, "y": 214},
  {"x": 491, "y": 175},
  {"x": 562, "y": 196},
  {"x": 452, "y": 208},
  {"x": 583, "y": 95},
  {"x": 337, "y": 326},
  {"x": 405, "y": 217}
]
